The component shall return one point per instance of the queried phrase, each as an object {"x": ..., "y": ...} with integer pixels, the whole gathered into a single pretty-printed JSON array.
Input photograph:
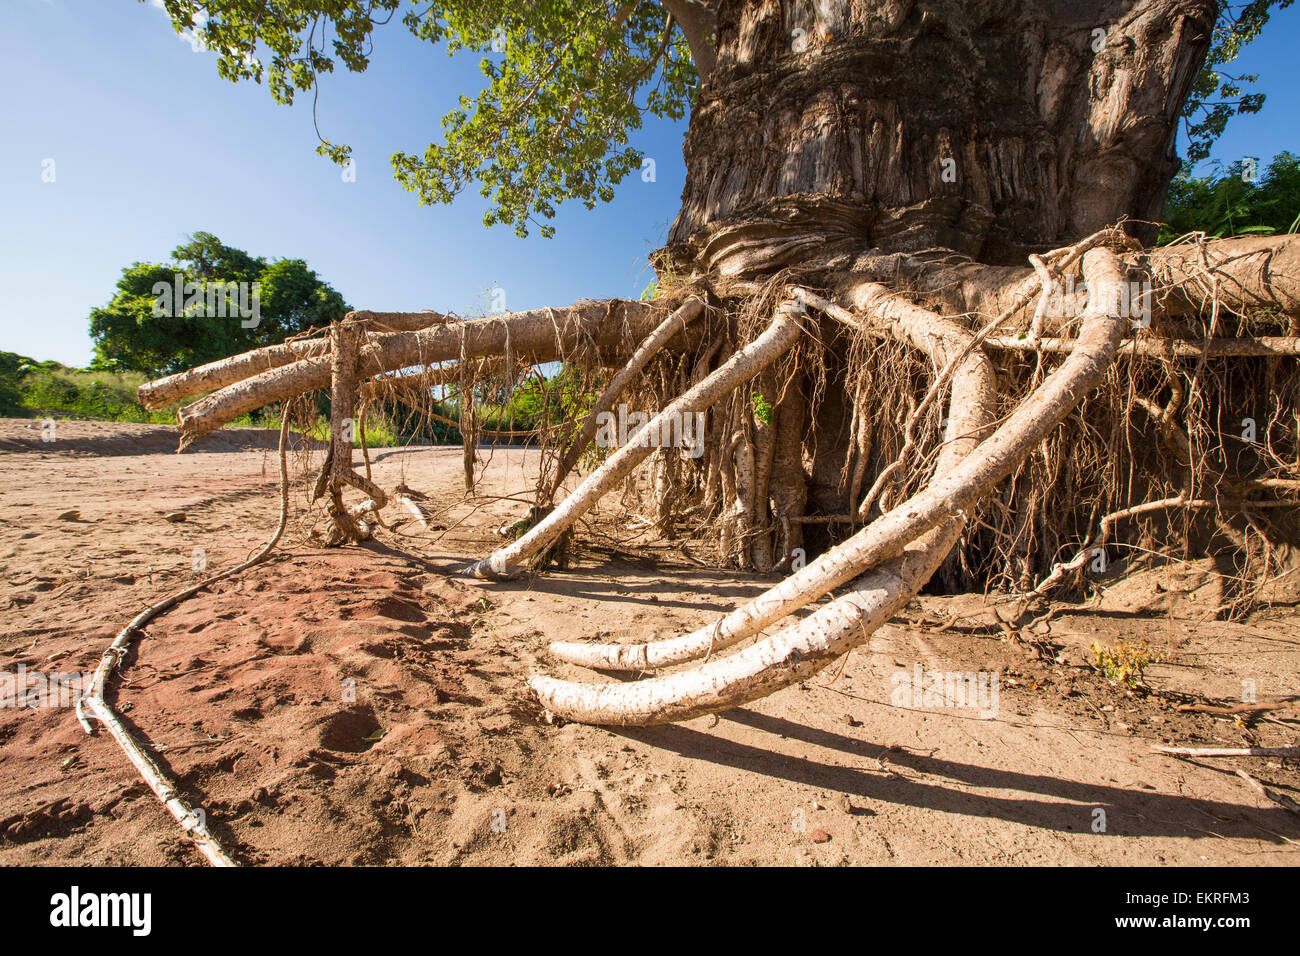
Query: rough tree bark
[{"x": 992, "y": 128}]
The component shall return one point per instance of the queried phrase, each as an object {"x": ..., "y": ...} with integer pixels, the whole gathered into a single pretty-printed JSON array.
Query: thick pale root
[
  {"x": 1252, "y": 272},
  {"x": 949, "y": 492},
  {"x": 345, "y": 341},
  {"x": 542, "y": 335},
  {"x": 804, "y": 648},
  {"x": 970, "y": 410},
  {"x": 793, "y": 655},
  {"x": 227, "y": 371},
  {"x": 1263, "y": 346},
  {"x": 740, "y": 368},
  {"x": 214, "y": 375}
]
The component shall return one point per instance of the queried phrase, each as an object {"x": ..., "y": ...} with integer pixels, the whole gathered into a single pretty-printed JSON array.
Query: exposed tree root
[
  {"x": 654, "y": 342},
  {"x": 806, "y": 647},
  {"x": 227, "y": 371},
  {"x": 947, "y": 494},
  {"x": 93, "y": 704},
  {"x": 542, "y": 335},
  {"x": 1090, "y": 548},
  {"x": 971, "y": 409},
  {"x": 740, "y": 368},
  {"x": 793, "y": 655},
  {"x": 1265, "y": 346},
  {"x": 811, "y": 425},
  {"x": 425, "y": 378}
]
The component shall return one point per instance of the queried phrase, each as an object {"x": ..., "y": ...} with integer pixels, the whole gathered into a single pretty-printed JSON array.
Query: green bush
[
  {"x": 1232, "y": 202},
  {"x": 34, "y": 389}
]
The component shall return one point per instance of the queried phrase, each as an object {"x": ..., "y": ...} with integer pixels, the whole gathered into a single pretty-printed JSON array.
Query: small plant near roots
[
  {"x": 1126, "y": 662},
  {"x": 762, "y": 409}
]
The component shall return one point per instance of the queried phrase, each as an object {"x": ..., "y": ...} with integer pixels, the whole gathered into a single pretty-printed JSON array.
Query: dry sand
[{"x": 365, "y": 705}]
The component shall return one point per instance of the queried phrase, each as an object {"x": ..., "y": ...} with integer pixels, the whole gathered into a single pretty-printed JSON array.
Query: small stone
[
  {"x": 845, "y": 804},
  {"x": 175, "y": 517},
  {"x": 819, "y": 836},
  {"x": 71, "y": 514}
]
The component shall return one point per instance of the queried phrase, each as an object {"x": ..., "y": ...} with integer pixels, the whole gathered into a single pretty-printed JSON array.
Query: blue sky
[{"x": 149, "y": 145}]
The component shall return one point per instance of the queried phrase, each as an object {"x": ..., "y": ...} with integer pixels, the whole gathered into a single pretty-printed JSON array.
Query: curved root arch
[{"x": 923, "y": 529}]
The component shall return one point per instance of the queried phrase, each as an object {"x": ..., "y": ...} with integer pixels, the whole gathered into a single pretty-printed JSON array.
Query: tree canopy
[
  {"x": 567, "y": 81},
  {"x": 129, "y": 333},
  {"x": 1217, "y": 95}
]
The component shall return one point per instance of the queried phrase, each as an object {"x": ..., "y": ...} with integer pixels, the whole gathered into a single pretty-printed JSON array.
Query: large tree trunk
[{"x": 989, "y": 127}]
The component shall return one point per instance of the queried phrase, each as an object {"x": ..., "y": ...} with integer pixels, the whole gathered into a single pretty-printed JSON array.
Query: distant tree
[
  {"x": 166, "y": 317},
  {"x": 1242, "y": 199}
]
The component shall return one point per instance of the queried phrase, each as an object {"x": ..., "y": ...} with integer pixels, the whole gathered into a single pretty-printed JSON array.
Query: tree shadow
[
  {"x": 640, "y": 587},
  {"x": 1069, "y": 809}
]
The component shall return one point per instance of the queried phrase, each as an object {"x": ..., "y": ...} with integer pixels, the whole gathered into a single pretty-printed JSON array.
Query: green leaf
[{"x": 567, "y": 82}]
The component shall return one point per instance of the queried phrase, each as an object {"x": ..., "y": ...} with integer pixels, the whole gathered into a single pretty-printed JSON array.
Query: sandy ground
[{"x": 365, "y": 706}]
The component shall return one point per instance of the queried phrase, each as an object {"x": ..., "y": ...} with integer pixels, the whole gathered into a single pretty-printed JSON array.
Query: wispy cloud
[{"x": 191, "y": 35}]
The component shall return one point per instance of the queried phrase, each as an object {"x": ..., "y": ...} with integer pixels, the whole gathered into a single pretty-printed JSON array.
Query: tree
[
  {"x": 239, "y": 302},
  {"x": 568, "y": 80},
  {"x": 1239, "y": 200},
  {"x": 1205, "y": 116},
  {"x": 843, "y": 299}
]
